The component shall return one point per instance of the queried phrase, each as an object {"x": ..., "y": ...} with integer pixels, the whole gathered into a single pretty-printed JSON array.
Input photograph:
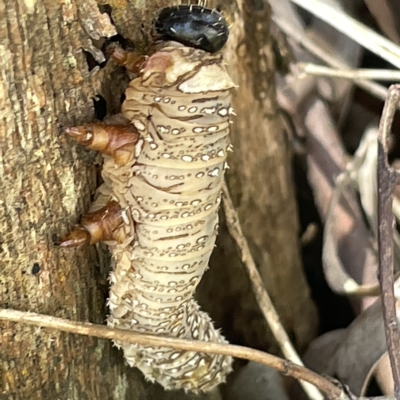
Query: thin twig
[
  {"x": 353, "y": 74},
  {"x": 375, "y": 89},
  {"x": 263, "y": 299},
  {"x": 85, "y": 328},
  {"x": 354, "y": 29},
  {"x": 387, "y": 179}
]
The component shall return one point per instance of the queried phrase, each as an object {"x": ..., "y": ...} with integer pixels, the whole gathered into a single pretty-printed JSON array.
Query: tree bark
[{"x": 46, "y": 183}]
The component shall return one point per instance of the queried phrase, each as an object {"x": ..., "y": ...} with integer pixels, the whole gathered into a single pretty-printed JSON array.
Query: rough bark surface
[{"x": 46, "y": 183}]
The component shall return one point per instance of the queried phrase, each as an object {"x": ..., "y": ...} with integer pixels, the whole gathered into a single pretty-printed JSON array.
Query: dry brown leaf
[
  {"x": 383, "y": 375},
  {"x": 257, "y": 382},
  {"x": 351, "y": 255},
  {"x": 356, "y": 354},
  {"x": 359, "y": 174},
  {"x": 350, "y": 354}
]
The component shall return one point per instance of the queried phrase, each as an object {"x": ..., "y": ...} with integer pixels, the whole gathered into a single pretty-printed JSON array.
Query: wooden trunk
[{"x": 46, "y": 182}]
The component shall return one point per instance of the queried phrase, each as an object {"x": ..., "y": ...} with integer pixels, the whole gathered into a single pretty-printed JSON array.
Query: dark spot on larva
[
  {"x": 204, "y": 100},
  {"x": 194, "y": 26},
  {"x": 35, "y": 269}
]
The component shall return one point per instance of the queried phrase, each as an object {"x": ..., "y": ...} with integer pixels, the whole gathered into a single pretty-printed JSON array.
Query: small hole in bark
[
  {"x": 90, "y": 61},
  {"x": 55, "y": 239},
  {"x": 106, "y": 8},
  {"x": 116, "y": 41},
  {"x": 100, "y": 107},
  {"x": 35, "y": 269}
]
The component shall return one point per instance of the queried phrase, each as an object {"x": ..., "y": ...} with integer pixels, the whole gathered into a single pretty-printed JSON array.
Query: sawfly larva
[{"x": 158, "y": 207}]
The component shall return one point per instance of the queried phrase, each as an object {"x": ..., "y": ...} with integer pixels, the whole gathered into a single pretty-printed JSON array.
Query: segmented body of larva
[{"x": 169, "y": 190}]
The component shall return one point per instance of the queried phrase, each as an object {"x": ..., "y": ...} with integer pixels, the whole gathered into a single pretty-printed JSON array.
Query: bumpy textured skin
[{"x": 171, "y": 193}]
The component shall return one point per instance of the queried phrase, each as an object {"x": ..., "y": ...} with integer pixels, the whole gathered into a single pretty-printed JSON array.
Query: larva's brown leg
[
  {"x": 101, "y": 225},
  {"x": 117, "y": 141},
  {"x": 133, "y": 62}
]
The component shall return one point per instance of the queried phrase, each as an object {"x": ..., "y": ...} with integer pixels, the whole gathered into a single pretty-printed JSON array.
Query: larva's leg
[
  {"x": 133, "y": 62},
  {"x": 117, "y": 141},
  {"x": 101, "y": 225}
]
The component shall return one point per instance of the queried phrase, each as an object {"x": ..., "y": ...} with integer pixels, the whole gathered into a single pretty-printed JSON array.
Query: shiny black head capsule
[{"x": 193, "y": 26}]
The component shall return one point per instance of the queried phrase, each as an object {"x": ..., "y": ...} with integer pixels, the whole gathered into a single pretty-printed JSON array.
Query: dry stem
[
  {"x": 352, "y": 74},
  {"x": 375, "y": 89},
  {"x": 263, "y": 299},
  {"x": 354, "y": 29},
  {"x": 85, "y": 328},
  {"x": 387, "y": 179}
]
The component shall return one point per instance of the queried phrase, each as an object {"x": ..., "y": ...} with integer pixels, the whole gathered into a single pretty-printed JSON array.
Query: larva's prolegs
[
  {"x": 117, "y": 141},
  {"x": 99, "y": 226}
]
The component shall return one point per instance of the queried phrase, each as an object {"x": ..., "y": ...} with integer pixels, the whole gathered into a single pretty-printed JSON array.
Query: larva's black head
[{"x": 193, "y": 26}]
